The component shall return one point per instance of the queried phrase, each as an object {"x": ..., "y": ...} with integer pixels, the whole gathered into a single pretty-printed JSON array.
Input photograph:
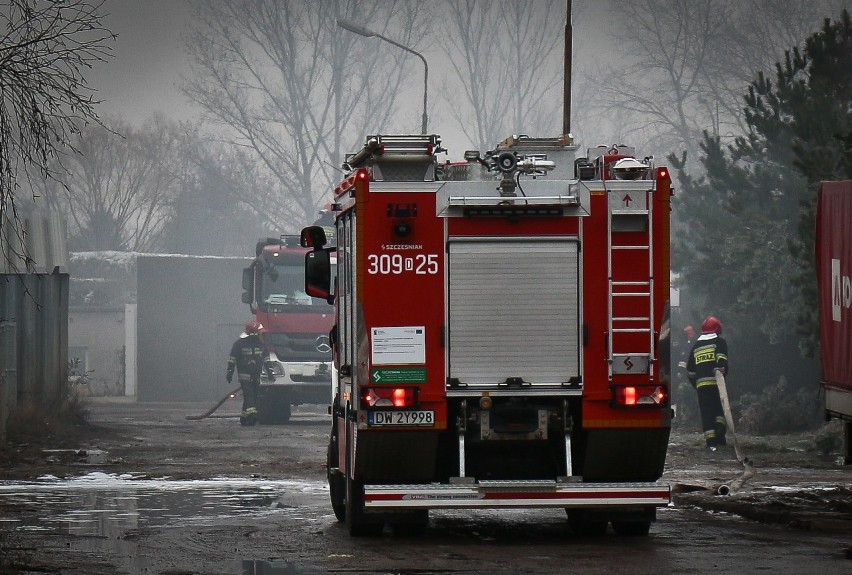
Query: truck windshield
[{"x": 284, "y": 285}]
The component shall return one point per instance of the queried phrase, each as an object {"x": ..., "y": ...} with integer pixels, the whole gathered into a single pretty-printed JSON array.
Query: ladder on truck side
[{"x": 630, "y": 330}]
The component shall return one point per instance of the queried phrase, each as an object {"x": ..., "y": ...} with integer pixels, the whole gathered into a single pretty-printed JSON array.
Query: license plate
[{"x": 401, "y": 418}]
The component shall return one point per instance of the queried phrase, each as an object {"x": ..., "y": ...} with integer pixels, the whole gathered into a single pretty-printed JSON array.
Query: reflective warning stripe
[
  {"x": 604, "y": 423},
  {"x": 491, "y": 494}
]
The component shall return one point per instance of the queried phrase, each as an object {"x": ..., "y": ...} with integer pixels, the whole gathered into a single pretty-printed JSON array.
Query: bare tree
[
  {"x": 677, "y": 68},
  {"x": 504, "y": 56},
  {"x": 655, "y": 80},
  {"x": 288, "y": 85},
  {"x": 222, "y": 191},
  {"x": 117, "y": 189},
  {"x": 44, "y": 97}
]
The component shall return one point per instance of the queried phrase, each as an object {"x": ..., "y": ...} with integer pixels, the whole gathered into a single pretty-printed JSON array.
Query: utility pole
[{"x": 566, "y": 80}]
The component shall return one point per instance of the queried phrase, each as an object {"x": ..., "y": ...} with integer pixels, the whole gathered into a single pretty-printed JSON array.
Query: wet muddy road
[{"x": 156, "y": 493}]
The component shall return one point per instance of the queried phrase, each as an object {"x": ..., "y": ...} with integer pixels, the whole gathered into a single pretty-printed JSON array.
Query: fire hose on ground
[
  {"x": 230, "y": 395},
  {"x": 748, "y": 471}
]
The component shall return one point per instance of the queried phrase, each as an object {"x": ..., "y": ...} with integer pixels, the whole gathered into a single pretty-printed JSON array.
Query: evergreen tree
[{"x": 746, "y": 247}]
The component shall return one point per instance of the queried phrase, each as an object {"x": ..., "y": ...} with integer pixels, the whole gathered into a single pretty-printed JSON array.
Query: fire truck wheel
[
  {"x": 582, "y": 524},
  {"x": 631, "y": 528},
  {"x": 336, "y": 487},
  {"x": 336, "y": 483},
  {"x": 356, "y": 522}
]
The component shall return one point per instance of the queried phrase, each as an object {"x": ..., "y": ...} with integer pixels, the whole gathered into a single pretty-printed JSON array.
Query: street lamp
[{"x": 366, "y": 32}]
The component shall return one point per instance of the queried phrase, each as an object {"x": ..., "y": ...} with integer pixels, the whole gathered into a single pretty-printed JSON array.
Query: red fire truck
[
  {"x": 501, "y": 335},
  {"x": 296, "y": 328}
]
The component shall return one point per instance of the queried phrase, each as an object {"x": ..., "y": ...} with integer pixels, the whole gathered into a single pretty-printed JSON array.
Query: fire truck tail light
[
  {"x": 639, "y": 395},
  {"x": 398, "y": 397}
]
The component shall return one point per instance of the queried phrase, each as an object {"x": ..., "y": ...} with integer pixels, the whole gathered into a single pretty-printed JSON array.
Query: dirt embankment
[{"x": 787, "y": 481}]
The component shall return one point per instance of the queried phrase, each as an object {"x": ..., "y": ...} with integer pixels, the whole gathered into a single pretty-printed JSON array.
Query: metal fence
[{"x": 33, "y": 314}]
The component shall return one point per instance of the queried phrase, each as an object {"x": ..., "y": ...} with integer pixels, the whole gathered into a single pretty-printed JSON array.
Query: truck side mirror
[
  {"x": 248, "y": 285},
  {"x": 313, "y": 237},
  {"x": 318, "y": 274}
]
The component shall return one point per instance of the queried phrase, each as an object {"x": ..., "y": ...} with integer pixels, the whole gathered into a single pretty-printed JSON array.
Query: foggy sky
[{"x": 143, "y": 76}]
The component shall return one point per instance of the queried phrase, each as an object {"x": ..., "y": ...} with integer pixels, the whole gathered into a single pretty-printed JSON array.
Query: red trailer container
[{"x": 834, "y": 276}]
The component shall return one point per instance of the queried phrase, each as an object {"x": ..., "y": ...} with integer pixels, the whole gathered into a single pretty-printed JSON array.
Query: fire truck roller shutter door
[{"x": 513, "y": 310}]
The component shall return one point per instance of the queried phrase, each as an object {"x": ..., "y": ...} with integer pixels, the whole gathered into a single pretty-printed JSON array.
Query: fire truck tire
[
  {"x": 631, "y": 528},
  {"x": 336, "y": 489},
  {"x": 356, "y": 522},
  {"x": 336, "y": 483},
  {"x": 582, "y": 524}
]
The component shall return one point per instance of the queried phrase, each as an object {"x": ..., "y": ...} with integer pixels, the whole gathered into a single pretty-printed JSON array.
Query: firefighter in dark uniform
[
  {"x": 709, "y": 354},
  {"x": 248, "y": 358}
]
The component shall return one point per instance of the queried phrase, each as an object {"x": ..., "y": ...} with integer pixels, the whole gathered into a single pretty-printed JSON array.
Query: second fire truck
[
  {"x": 501, "y": 333},
  {"x": 296, "y": 328}
]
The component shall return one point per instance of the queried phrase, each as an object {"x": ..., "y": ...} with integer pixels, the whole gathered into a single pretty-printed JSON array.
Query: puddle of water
[
  {"x": 102, "y": 510},
  {"x": 105, "y": 505}
]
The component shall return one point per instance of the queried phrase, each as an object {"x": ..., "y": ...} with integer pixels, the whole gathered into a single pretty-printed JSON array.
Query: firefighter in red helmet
[
  {"x": 248, "y": 359},
  {"x": 709, "y": 354}
]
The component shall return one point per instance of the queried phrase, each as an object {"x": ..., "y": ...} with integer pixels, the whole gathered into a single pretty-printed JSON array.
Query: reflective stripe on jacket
[
  {"x": 708, "y": 354},
  {"x": 246, "y": 357}
]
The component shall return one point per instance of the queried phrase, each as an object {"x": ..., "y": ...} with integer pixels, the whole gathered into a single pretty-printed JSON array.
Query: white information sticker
[{"x": 398, "y": 345}]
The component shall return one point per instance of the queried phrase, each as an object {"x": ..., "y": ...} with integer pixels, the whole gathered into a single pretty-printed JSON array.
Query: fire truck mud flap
[{"x": 494, "y": 494}]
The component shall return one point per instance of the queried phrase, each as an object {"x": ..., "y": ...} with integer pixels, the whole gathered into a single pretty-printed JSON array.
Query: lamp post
[{"x": 366, "y": 32}]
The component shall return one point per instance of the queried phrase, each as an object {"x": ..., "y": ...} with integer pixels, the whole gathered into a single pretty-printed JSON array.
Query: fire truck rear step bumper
[{"x": 489, "y": 494}]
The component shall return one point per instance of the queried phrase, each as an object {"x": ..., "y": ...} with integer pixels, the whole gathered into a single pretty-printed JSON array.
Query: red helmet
[
  {"x": 253, "y": 327},
  {"x": 711, "y": 325}
]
